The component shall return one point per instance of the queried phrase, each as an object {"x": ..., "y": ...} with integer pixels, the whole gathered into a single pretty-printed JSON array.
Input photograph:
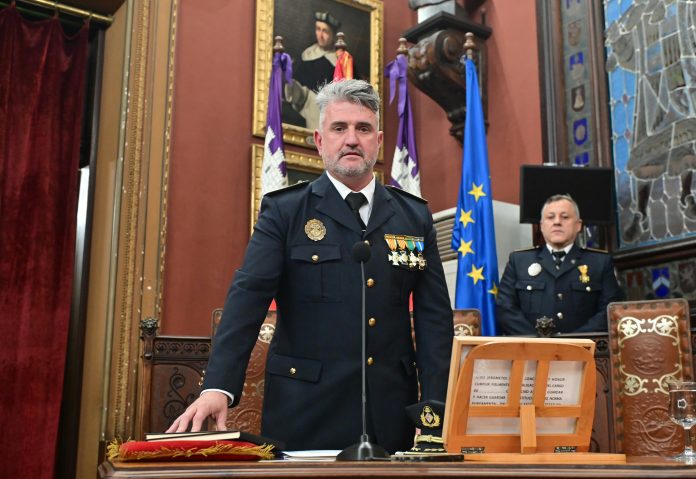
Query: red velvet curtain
[{"x": 42, "y": 82}]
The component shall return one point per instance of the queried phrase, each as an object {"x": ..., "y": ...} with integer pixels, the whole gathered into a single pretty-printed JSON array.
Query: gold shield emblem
[
  {"x": 429, "y": 418},
  {"x": 315, "y": 230}
]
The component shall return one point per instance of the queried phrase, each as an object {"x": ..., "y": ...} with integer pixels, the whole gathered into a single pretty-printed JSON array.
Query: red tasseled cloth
[{"x": 189, "y": 451}]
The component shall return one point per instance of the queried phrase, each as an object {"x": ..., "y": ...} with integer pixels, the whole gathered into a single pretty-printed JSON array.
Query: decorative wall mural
[
  {"x": 579, "y": 98},
  {"x": 673, "y": 279},
  {"x": 651, "y": 66}
]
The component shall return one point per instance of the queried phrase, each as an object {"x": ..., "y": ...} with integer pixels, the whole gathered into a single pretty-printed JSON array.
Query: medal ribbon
[
  {"x": 391, "y": 242},
  {"x": 401, "y": 241}
]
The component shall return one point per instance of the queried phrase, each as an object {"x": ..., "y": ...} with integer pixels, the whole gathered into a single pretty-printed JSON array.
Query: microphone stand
[{"x": 363, "y": 450}]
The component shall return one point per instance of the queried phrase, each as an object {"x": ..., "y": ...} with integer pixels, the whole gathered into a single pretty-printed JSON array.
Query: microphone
[
  {"x": 363, "y": 450},
  {"x": 361, "y": 253}
]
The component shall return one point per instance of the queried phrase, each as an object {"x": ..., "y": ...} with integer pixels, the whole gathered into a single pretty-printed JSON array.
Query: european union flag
[{"x": 473, "y": 236}]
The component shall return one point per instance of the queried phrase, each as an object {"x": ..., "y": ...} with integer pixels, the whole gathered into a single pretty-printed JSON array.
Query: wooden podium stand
[{"x": 544, "y": 391}]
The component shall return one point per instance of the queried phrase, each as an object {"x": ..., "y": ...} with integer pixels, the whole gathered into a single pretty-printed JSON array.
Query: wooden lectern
[{"x": 522, "y": 400}]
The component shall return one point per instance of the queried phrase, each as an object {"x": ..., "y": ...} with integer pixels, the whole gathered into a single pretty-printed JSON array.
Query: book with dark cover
[{"x": 232, "y": 435}]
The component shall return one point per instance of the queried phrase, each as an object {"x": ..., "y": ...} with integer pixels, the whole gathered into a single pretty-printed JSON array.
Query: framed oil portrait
[
  {"x": 301, "y": 167},
  {"x": 309, "y": 28}
]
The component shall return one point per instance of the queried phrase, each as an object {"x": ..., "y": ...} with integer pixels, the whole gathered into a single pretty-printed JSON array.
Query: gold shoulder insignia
[
  {"x": 529, "y": 248},
  {"x": 597, "y": 250},
  {"x": 299, "y": 184},
  {"x": 406, "y": 193}
]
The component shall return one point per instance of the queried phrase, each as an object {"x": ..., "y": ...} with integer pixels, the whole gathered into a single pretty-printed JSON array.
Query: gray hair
[
  {"x": 554, "y": 198},
  {"x": 354, "y": 91}
]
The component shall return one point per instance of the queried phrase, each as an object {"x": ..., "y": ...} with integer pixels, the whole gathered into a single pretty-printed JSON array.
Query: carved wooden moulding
[
  {"x": 435, "y": 66},
  {"x": 172, "y": 369},
  {"x": 650, "y": 347}
]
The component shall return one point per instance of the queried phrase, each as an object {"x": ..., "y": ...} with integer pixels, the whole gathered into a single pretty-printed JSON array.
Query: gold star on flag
[
  {"x": 465, "y": 218},
  {"x": 494, "y": 290},
  {"x": 465, "y": 247},
  {"x": 477, "y": 191},
  {"x": 476, "y": 273}
]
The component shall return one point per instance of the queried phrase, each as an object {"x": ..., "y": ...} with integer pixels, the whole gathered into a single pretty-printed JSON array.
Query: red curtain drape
[{"x": 42, "y": 82}]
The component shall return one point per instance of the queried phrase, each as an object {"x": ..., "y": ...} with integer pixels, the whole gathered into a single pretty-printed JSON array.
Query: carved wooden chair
[
  {"x": 247, "y": 414},
  {"x": 467, "y": 322},
  {"x": 650, "y": 346},
  {"x": 170, "y": 377},
  {"x": 173, "y": 367}
]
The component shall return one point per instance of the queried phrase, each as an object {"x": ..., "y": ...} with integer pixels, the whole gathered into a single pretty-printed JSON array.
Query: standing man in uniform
[
  {"x": 300, "y": 254},
  {"x": 559, "y": 281}
]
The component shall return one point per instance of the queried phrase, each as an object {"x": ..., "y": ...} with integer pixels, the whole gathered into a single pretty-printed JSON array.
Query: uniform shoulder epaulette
[
  {"x": 406, "y": 193},
  {"x": 597, "y": 250},
  {"x": 299, "y": 184},
  {"x": 529, "y": 248}
]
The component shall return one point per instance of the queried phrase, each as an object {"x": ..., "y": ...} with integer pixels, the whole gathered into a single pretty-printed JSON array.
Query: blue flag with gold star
[{"x": 473, "y": 236}]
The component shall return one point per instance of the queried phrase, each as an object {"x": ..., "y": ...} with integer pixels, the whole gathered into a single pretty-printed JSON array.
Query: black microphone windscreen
[{"x": 361, "y": 251}]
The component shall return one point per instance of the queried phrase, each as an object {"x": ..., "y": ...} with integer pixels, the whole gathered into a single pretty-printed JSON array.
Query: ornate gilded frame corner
[
  {"x": 306, "y": 167},
  {"x": 296, "y": 162},
  {"x": 265, "y": 11}
]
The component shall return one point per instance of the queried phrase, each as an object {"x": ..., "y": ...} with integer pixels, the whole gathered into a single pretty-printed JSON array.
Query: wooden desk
[{"x": 653, "y": 467}]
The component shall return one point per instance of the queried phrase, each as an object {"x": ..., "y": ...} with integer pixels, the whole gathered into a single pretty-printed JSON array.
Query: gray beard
[{"x": 353, "y": 171}]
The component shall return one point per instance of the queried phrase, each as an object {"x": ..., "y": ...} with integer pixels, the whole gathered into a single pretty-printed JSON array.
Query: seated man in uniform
[{"x": 559, "y": 286}]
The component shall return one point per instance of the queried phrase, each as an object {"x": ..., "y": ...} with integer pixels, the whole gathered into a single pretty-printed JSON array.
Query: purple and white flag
[
  {"x": 405, "y": 172},
  {"x": 274, "y": 173}
]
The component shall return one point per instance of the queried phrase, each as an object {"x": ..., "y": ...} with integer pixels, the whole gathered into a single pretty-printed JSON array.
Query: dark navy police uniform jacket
[
  {"x": 312, "y": 397},
  {"x": 531, "y": 288}
]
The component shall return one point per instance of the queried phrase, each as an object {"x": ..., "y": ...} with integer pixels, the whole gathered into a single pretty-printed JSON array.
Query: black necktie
[
  {"x": 558, "y": 258},
  {"x": 355, "y": 201}
]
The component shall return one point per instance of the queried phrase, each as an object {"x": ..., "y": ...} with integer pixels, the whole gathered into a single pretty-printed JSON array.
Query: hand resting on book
[{"x": 210, "y": 404}]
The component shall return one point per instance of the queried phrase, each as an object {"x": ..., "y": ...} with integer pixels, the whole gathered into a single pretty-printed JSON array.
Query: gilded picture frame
[
  {"x": 361, "y": 21},
  {"x": 300, "y": 167}
]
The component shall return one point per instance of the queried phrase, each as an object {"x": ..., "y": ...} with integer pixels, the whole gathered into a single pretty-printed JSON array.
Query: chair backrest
[
  {"x": 467, "y": 322},
  {"x": 650, "y": 345},
  {"x": 170, "y": 377},
  {"x": 246, "y": 416}
]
